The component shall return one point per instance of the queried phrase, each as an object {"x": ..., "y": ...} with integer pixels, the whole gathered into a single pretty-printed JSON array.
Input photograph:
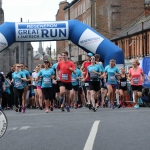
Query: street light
[{"x": 70, "y": 49}]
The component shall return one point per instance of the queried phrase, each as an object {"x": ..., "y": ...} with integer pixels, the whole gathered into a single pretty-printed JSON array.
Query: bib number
[
  {"x": 64, "y": 76},
  {"x": 18, "y": 83},
  {"x": 112, "y": 78},
  {"x": 86, "y": 84},
  {"x": 123, "y": 84},
  {"x": 46, "y": 80},
  {"x": 136, "y": 80},
  {"x": 74, "y": 80}
]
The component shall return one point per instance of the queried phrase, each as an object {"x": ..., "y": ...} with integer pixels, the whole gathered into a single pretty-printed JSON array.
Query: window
[{"x": 116, "y": 20}]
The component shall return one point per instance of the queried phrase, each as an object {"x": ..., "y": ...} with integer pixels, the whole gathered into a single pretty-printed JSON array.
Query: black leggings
[
  {"x": 48, "y": 94},
  {"x": 18, "y": 95},
  {"x": 6, "y": 100}
]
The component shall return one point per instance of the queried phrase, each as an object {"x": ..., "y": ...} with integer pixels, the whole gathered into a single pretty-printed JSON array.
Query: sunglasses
[
  {"x": 18, "y": 66},
  {"x": 92, "y": 58}
]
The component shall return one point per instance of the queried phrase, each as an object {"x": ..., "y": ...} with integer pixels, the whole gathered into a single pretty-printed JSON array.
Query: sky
[{"x": 32, "y": 11}]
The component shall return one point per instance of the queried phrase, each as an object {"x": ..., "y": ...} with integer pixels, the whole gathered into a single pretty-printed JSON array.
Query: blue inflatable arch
[{"x": 80, "y": 34}]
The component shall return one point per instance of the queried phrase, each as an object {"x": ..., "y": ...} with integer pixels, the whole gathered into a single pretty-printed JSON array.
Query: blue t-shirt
[
  {"x": 18, "y": 83},
  {"x": 46, "y": 77},
  {"x": 94, "y": 76},
  {"x": 111, "y": 74},
  {"x": 27, "y": 74},
  {"x": 7, "y": 87},
  {"x": 101, "y": 66},
  {"x": 54, "y": 67},
  {"x": 75, "y": 81}
]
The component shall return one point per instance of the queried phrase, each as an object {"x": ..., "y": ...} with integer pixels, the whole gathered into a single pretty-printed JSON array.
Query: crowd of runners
[{"x": 63, "y": 85}]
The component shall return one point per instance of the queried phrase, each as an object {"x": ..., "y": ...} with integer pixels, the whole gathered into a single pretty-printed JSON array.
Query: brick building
[
  {"x": 135, "y": 40},
  {"x": 106, "y": 16}
]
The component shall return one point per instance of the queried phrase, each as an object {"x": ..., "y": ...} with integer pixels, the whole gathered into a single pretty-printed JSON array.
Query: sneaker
[
  {"x": 16, "y": 109},
  {"x": 137, "y": 106},
  {"x": 23, "y": 110},
  {"x": 62, "y": 109},
  {"x": 119, "y": 105},
  {"x": 89, "y": 106},
  {"x": 75, "y": 106},
  {"x": 97, "y": 105},
  {"x": 112, "y": 106},
  {"x": 41, "y": 108},
  {"x": 67, "y": 108},
  {"x": 51, "y": 108},
  {"x": 94, "y": 109},
  {"x": 61, "y": 100},
  {"x": 20, "y": 109},
  {"x": 47, "y": 110}
]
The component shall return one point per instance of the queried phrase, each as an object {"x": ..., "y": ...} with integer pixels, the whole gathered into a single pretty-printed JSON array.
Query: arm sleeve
[{"x": 39, "y": 74}]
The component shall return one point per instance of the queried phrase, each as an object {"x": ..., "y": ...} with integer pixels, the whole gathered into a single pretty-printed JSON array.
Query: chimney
[{"x": 147, "y": 8}]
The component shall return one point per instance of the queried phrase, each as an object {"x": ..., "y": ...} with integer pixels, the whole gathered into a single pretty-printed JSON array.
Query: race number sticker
[{"x": 3, "y": 124}]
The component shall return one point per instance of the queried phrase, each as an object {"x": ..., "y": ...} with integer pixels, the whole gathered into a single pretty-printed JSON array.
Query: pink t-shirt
[{"x": 136, "y": 76}]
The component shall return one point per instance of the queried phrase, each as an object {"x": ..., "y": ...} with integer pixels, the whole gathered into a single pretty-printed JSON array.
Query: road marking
[
  {"x": 90, "y": 141},
  {"x": 13, "y": 128},
  {"x": 24, "y": 128}
]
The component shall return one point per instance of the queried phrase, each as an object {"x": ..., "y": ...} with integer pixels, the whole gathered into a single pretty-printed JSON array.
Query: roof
[{"x": 134, "y": 28}]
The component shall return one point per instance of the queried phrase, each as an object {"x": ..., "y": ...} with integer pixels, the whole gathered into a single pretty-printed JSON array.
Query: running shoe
[
  {"x": 119, "y": 105},
  {"x": 103, "y": 105},
  {"x": 75, "y": 106},
  {"x": 61, "y": 100},
  {"x": 16, "y": 109},
  {"x": 41, "y": 108},
  {"x": 67, "y": 108},
  {"x": 51, "y": 108},
  {"x": 23, "y": 110},
  {"x": 137, "y": 106},
  {"x": 47, "y": 110},
  {"x": 97, "y": 105},
  {"x": 94, "y": 109},
  {"x": 89, "y": 106},
  {"x": 62, "y": 109},
  {"x": 112, "y": 106},
  {"x": 20, "y": 109}
]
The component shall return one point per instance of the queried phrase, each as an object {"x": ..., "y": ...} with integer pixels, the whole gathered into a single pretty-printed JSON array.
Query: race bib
[
  {"x": 93, "y": 75},
  {"x": 74, "y": 80},
  {"x": 47, "y": 80},
  {"x": 18, "y": 83},
  {"x": 112, "y": 78},
  {"x": 135, "y": 80},
  {"x": 86, "y": 84},
  {"x": 64, "y": 76},
  {"x": 123, "y": 84}
]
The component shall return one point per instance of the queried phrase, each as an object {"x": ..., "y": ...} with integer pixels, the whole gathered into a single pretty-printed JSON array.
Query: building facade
[
  {"x": 135, "y": 40},
  {"x": 106, "y": 16},
  {"x": 10, "y": 56}
]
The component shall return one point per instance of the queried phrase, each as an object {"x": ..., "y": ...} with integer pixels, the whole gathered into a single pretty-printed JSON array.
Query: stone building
[
  {"x": 106, "y": 16},
  {"x": 10, "y": 56}
]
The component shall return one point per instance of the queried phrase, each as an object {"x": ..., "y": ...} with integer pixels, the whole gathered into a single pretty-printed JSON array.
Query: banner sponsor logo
[
  {"x": 90, "y": 40},
  {"x": 3, "y": 42},
  {"x": 42, "y": 31},
  {"x": 3, "y": 124}
]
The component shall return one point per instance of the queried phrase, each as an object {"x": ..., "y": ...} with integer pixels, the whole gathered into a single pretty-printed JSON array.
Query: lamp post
[{"x": 69, "y": 49}]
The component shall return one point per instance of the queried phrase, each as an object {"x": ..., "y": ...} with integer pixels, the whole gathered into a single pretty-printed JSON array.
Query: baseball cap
[
  {"x": 46, "y": 61},
  {"x": 90, "y": 54}
]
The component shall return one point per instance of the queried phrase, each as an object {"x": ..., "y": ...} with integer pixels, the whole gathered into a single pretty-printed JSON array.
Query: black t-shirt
[
  {"x": 2, "y": 80},
  {"x": 9, "y": 75}
]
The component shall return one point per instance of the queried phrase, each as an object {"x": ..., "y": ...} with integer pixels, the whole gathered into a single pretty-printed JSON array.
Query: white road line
[
  {"x": 90, "y": 141},
  {"x": 24, "y": 128},
  {"x": 13, "y": 128}
]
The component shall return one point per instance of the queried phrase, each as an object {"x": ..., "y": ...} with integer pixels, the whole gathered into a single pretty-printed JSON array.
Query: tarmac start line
[{"x": 90, "y": 141}]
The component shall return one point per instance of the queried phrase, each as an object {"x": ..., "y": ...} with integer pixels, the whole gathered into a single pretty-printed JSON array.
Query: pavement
[{"x": 81, "y": 129}]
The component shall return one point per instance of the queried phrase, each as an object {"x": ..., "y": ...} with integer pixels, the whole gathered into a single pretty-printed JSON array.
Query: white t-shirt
[{"x": 34, "y": 75}]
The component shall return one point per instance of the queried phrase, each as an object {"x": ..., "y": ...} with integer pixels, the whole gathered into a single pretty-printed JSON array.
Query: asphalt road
[{"x": 81, "y": 129}]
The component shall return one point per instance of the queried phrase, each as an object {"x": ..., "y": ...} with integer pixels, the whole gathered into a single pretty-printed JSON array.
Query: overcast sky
[{"x": 32, "y": 10}]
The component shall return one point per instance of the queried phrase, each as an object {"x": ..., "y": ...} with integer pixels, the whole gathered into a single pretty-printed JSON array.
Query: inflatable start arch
[{"x": 80, "y": 34}]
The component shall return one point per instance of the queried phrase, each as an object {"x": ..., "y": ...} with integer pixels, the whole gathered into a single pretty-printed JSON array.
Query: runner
[
  {"x": 56, "y": 92},
  {"x": 98, "y": 62},
  {"x": 17, "y": 79},
  {"x": 2, "y": 81},
  {"x": 94, "y": 72},
  {"x": 136, "y": 76},
  {"x": 112, "y": 72},
  {"x": 25, "y": 83},
  {"x": 84, "y": 72},
  {"x": 47, "y": 74},
  {"x": 75, "y": 85},
  {"x": 65, "y": 68},
  {"x": 123, "y": 86}
]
